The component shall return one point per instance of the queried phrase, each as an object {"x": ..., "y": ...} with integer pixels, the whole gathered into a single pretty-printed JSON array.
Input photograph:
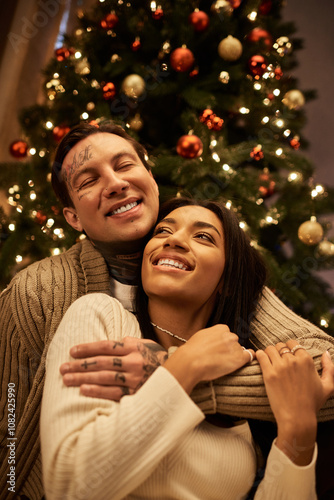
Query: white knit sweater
[{"x": 153, "y": 445}]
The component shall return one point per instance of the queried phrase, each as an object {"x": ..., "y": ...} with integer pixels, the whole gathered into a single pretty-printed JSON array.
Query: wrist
[
  {"x": 183, "y": 367},
  {"x": 297, "y": 440}
]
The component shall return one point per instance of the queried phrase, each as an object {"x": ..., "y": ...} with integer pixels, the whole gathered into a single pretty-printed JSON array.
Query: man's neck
[{"x": 123, "y": 265}]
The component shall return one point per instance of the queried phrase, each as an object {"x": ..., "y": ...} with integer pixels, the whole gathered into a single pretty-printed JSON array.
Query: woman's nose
[{"x": 177, "y": 239}]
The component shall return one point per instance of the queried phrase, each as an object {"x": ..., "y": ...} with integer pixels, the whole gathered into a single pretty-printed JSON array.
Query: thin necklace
[{"x": 169, "y": 333}]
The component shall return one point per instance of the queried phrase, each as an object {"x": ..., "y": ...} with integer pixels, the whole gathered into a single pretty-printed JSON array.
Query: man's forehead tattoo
[{"x": 78, "y": 161}]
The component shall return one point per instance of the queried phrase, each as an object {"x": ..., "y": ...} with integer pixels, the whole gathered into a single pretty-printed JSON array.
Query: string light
[
  {"x": 324, "y": 323},
  {"x": 226, "y": 167},
  {"x": 265, "y": 119},
  {"x": 215, "y": 156},
  {"x": 32, "y": 151},
  {"x": 11, "y": 227},
  {"x": 244, "y": 111},
  {"x": 294, "y": 176},
  {"x": 32, "y": 195},
  {"x": 252, "y": 15},
  {"x": 228, "y": 204},
  {"x": 18, "y": 258},
  {"x": 257, "y": 86},
  {"x": 279, "y": 152}
]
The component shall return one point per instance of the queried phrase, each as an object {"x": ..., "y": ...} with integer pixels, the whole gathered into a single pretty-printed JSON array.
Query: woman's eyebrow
[
  {"x": 197, "y": 224},
  {"x": 202, "y": 224}
]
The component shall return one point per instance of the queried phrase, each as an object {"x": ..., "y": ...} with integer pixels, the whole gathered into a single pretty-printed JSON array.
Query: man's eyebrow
[{"x": 199, "y": 224}]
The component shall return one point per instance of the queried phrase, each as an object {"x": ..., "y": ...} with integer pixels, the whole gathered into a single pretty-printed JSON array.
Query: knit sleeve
[
  {"x": 31, "y": 309},
  {"x": 284, "y": 479},
  {"x": 100, "y": 448},
  {"x": 243, "y": 394}
]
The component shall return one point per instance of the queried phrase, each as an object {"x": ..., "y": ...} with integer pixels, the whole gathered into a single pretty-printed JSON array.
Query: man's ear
[{"x": 72, "y": 219}]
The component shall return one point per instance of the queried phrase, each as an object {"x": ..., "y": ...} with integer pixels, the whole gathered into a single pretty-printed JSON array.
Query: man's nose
[{"x": 115, "y": 184}]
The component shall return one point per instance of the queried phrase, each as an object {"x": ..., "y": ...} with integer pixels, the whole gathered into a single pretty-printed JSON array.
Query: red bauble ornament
[
  {"x": 109, "y": 91},
  {"x": 234, "y": 3},
  {"x": 109, "y": 22},
  {"x": 294, "y": 143},
  {"x": 257, "y": 66},
  {"x": 199, "y": 20},
  {"x": 40, "y": 217},
  {"x": 18, "y": 149},
  {"x": 182, "y": 59},
  {"x": 59, "y": 132},
  {"x": 265, "y": 7},
  {"x": 258, "y": 34},
  {"x": 194, "y": 73},
  {"x": 189, "y": 146},
  {"x": 257, "y": 153},
  {"x": 267, "y": 187},
  {"x": 205, "y": 115},
  {"x": 158, "y": 13},
  {"x": 136, "y": 44},
  {"x": 278, "y": 73},
  {"x": 63, "y": 53}
]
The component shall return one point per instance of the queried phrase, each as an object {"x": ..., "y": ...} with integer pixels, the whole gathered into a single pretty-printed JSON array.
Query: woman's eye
[
  {"x": 205, "y": 236},
  {"x": 161, "y": 230}
]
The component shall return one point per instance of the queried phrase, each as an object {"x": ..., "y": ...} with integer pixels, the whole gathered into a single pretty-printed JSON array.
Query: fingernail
[
  {"x": 74, "y": 350},
  {"x": 328, "y": 354},
  {"x": 65, "y": 367}
]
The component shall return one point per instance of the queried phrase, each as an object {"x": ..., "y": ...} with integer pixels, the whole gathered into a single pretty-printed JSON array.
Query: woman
[{"x": 157, "y": 443}]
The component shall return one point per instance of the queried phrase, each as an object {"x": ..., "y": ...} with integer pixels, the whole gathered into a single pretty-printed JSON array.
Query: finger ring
[
  {"x": 298, "y": 346},
  {"x": 250, "y": 354},
  {"x": 285, "y": 350},
  {"x": 284, "y": 347}
]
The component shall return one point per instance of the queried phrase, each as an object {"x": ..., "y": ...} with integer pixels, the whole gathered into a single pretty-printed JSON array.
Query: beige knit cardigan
[{"x": 30, "y": 311}]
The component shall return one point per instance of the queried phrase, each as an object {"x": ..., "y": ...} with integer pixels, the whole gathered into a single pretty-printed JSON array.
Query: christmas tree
[{"x": 207, "y": 89}]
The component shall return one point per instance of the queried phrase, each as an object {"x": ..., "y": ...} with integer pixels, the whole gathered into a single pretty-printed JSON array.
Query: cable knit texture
[{"x": 31, "y": 309}]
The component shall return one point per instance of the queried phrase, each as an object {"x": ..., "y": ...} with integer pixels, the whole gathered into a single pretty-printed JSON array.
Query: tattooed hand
[{"x": 110, "y": 369}]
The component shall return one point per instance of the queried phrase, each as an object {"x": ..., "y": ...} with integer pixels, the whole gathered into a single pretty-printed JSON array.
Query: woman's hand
[
  {"x": 296, "y": 392},
  {"x": 210, "y": 353}
]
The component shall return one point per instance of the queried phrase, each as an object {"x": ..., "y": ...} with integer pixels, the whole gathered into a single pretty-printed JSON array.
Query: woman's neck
[{"x": 181, "y": 320}]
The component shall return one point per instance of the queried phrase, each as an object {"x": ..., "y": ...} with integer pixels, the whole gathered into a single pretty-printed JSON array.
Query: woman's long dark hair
[{"x": 243, "y": 278}]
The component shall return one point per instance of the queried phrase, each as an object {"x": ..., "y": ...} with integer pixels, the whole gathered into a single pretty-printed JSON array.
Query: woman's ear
[{"x": 72, "y": 218}]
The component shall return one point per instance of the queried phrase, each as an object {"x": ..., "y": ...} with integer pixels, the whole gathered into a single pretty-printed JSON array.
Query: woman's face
[{"x": 185, "y": 259}]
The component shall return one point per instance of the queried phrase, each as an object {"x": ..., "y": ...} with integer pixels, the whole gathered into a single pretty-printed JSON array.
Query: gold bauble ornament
[
  {"x": 136, "y": 123},
  {"x": 294, "y": 99},
  {"x": 310, "y": 232},
  {"x": 230, "y": 48},
  {"x": 133, "y": 86},
  {"x": 326, "y": 247}
]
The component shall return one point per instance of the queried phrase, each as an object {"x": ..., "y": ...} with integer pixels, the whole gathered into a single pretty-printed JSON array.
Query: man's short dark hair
[{"x": 75, "y": 135}]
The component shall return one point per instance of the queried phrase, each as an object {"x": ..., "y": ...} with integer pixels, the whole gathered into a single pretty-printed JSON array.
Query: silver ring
[
  {"x": 285, "y": 350},
  {"x": 250, "y": 354},
  {"x": 298, "y": 346}
]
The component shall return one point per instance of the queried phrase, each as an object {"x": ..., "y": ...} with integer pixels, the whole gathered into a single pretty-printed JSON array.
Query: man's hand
[{"x": 110, "y": 369}]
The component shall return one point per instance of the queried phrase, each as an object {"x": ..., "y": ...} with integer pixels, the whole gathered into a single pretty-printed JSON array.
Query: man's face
[{"x": 116, "y": 200}]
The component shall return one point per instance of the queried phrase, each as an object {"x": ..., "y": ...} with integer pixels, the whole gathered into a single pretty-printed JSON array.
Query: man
[{"x": 103, "y": 180}]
